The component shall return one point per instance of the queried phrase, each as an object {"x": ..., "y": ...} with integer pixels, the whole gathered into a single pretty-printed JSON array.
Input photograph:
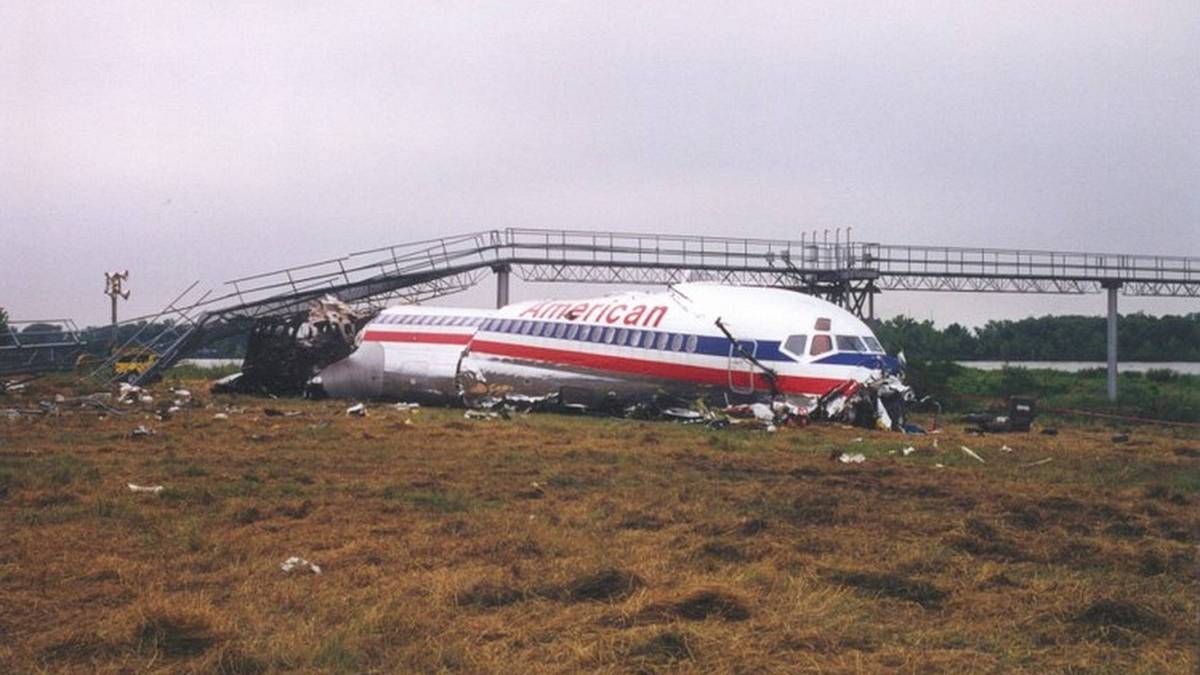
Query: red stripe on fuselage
[
  {"x": 789, "y": 384},
  {"x": 410, "y": 336}
]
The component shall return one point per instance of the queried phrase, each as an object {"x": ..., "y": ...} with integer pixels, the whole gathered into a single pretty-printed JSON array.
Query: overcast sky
[{"x": 210, "y": 140}]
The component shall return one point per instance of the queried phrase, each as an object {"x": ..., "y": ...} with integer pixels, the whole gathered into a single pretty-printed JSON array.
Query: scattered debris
[
  {"x": 1005, "y": 448},
  {"x": 140, "y": 431},
  {"x": 856, "y": 458},
  {"x": 1021, "y": 413},
  {"x": 358, "y": 410},
  {"x": 272, "y": 412},
  {"x": 294, "y": 563},
  {"x": 220, "y": 416},
  {"x": 406, "y": 407},
  {"x": 1038, "y": 463},
  {"x": 153, "y": 489},
  {"x": 1120, "y": 438},
  {"x": 971, "y": 453},
  {"x": 908, "y": 451}
]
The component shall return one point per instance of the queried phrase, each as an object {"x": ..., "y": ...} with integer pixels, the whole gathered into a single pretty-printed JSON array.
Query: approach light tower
[{"x": 114, "y": 287}]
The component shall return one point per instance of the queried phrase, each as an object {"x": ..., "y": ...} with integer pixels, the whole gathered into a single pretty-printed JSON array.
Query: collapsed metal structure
[{"x": 845, "y": 272}]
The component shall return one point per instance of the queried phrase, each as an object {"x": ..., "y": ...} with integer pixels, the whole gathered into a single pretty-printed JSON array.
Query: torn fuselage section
[{"x": 284, "y": 353}]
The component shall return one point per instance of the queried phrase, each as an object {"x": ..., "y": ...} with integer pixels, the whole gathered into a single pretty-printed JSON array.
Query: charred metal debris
[{"x": 284, "y": 353}]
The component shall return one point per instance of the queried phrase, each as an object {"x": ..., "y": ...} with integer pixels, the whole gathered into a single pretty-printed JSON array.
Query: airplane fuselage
[{"x": 694, "y": 340}]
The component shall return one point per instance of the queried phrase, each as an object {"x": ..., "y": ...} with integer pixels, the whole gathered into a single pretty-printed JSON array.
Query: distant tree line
[{"x": 1047, "y": 338}]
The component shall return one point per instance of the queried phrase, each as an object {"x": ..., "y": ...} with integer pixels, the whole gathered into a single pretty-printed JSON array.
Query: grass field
[{"x": 556, "y": 544}]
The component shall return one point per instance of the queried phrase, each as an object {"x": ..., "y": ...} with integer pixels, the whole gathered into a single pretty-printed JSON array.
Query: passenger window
[
  {"x": 676, "y": 342},
  {"x": 820, "y": 345},
  {"x": 573, "y": 331},
  {"x": 560, "y": 330},
  {"x": 663, "y": 340},
  {"x": 795, "y": 344},
  {"x": 609, "y": 335},
  {"x": 692, "y": 343},
  {"x": 584, "y": 332},
  {"x": 849, "y": 343},
  {"x": 635, "y": 338},
  {"x": 526, "y": 326},
  {"x": 622, "y": 335}
]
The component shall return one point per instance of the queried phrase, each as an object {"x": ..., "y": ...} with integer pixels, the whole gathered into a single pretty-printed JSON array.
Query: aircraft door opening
[{"x": 741, "y": 369}]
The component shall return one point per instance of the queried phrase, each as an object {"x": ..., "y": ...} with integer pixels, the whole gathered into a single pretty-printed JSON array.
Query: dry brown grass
[{"x": 557, "y": 544}]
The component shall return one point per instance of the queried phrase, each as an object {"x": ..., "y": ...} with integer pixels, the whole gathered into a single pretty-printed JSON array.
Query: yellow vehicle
[{"x": 134, "y": 361}]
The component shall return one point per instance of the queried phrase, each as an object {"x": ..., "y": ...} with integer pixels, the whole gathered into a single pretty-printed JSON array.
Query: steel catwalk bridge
[{"x": 848, "y": 273}]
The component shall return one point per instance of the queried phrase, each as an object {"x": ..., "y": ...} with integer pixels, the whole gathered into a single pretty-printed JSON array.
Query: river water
[{"x": 1186, "y": 368}]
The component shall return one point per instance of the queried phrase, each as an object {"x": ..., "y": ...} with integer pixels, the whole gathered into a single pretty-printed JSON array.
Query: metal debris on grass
[
  {"x": 152, "y": 489},
  {"x": 855, "y": 458},
  {"x": 295, "y": 563},
  {"x": 972, "y": 454},
  {"x": 358, "y": 410}
]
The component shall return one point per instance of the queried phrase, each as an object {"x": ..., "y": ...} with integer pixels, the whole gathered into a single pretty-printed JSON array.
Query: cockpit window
[
  {"x": 820, "y": 345},
  {"x": 873, "y": 344},
  {"x": 850, "y": 343},
  {"x": 796, "y": 343}
]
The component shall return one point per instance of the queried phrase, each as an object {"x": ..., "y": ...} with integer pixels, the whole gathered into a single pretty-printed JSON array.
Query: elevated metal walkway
[{"x": 849, "y": 273}]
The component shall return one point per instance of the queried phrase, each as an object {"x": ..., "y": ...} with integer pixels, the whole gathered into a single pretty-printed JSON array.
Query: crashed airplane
[{"x": 694, "y": 342}]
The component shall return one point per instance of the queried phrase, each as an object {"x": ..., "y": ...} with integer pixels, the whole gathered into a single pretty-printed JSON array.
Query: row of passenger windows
[
  {"x": 624, "y": 337},
  {"x": 432, "y": 319},
  {"x": 824, "y": 343}
]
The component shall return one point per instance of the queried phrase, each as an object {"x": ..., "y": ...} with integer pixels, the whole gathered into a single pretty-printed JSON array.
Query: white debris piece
[
  {"x": 762, "y": 412},
  {"x": 141, "y": 430},
  {"x": 1005, "y": 448},
  {"x": 153, "y": 489},
  {"x": 971, "y": 453},
  {"x": 857, "y": 440},
  {"x": 294, "y": 563},
  {"x": 856, "y": 458},
  {"x": 358, "y": 410},
  {"x": 481, "y": 415},
  {"x": 908, "y": 451},
  {"x": 883, "y": 421},
  {"x": 182, "y": 393},
  {"x": 1038, "y": 463},
  {"x": 406, "y": 407},
  {"x": 939, "y": 466},
  {"x": 220, "y": 416}
]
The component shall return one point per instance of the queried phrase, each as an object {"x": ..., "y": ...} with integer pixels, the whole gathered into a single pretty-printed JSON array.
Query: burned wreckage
[{"x": 696, "y": 346}]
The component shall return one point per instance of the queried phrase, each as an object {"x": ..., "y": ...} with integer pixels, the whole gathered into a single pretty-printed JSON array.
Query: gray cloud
[{"x": 205, "y": 141}]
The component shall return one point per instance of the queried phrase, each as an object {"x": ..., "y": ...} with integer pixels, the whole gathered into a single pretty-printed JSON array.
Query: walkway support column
[
  {"x": 502, "y": 272},
  {"x": 1112, "y": 287}
]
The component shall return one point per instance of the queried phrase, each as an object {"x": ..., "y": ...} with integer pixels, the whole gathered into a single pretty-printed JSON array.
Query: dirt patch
[
  {"x": 489, "y": 594},
  {"x": 175, "y": 634},
  {"x": 923, "y": 593},
  {"x": 1119, "y": 620},
  {"x": 605, "y": 586},
  {"x": 662, "y": 648},
  {"x": 702, "y": 604}
]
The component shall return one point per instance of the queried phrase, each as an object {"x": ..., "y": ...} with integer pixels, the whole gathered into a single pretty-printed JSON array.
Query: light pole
[{"x": 114, "y": 287}]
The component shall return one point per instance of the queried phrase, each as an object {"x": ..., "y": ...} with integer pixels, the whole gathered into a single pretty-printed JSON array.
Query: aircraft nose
[{"x": 359, "y": 375}]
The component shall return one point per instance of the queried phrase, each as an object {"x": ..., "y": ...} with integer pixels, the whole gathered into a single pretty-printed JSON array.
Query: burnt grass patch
[{"x": 895, "y": 586}]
